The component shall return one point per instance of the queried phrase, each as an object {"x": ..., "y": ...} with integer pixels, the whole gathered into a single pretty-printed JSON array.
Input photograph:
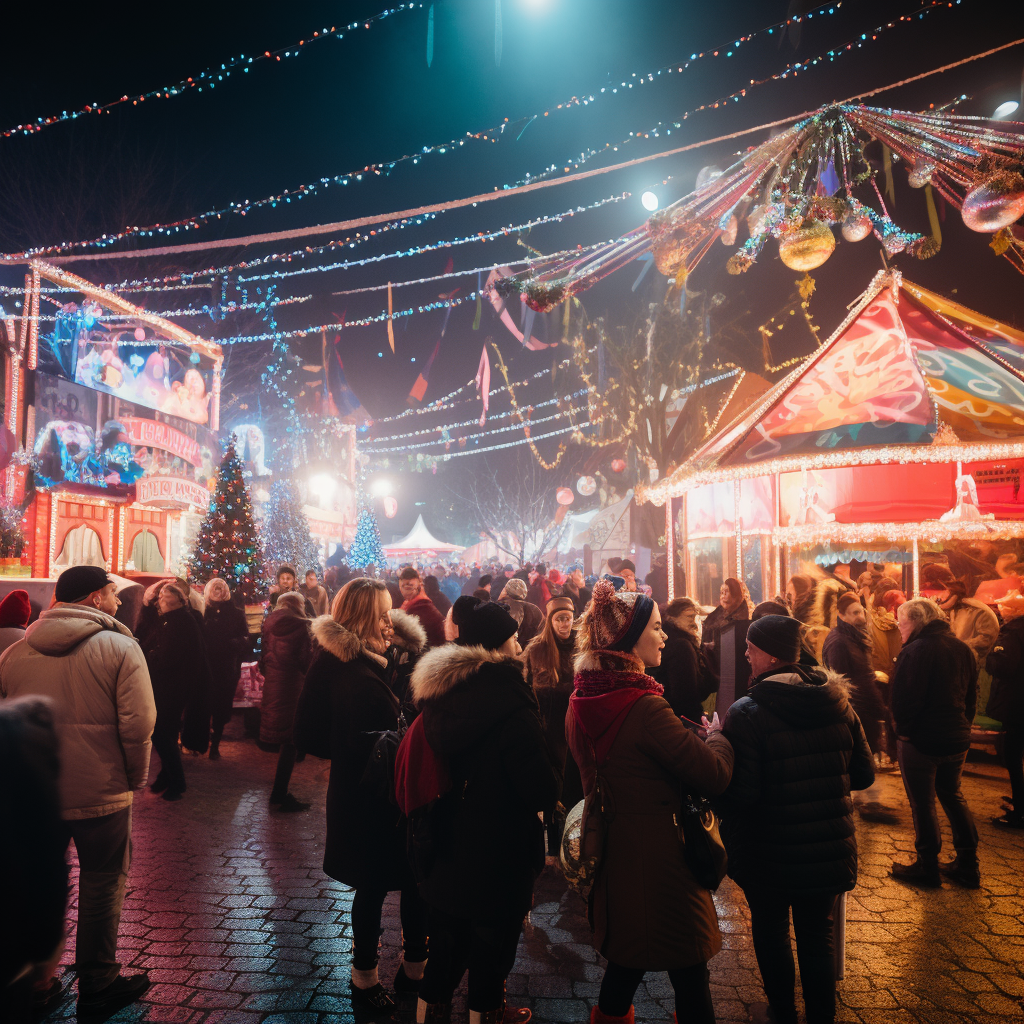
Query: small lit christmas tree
[
  {"x": 286, "y": 528},
  {"x": 229, "y": 544},
  {"x": 366, "y": 548}
]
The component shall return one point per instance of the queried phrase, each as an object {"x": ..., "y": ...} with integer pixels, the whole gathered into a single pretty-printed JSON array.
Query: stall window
[
  {"x": 81, "y": 547},
  {"x": 146, "y": 553}
]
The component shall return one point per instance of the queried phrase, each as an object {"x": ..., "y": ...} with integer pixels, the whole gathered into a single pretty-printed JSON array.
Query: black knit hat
[
  {"x": 777, "y": 635},
  {"x": 462, "y": 608},
  {"x": 487, "y": 625},
  {"x": 80, "y": 581}
]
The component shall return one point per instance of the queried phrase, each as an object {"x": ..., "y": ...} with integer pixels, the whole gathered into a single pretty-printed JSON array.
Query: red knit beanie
[{"x": 15, "y": 609}]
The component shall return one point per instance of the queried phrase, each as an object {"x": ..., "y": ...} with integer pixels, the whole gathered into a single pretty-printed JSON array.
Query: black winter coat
[
  {"x": 847, "y": 650},
  {"x": 1006, "y": 664},
  {"x": 553, "y": 693},
  {"x": 935, "y": 690},
  {"x": 684, "y": 672},
  {"x": 176, "y": 657},
  {"x": 407, "y": 645},
  {"x": 481, "y": 720},
  {"x": 287, "y": 652},
  {"x": 787, "y": 816},
  {"x": 226, "y": 634},
  {"x": 345, "y": 700}
]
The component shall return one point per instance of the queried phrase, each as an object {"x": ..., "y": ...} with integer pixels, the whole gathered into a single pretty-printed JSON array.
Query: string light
[{"x": 207, "y": 79}]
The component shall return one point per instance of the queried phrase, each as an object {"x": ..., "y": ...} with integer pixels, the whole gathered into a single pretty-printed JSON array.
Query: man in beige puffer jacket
[{"x": 93, "y": 671}]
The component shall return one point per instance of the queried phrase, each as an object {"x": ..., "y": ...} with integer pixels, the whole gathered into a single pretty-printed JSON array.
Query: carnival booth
[
  {"x": 900, "y": 441},
  {"x": 419, "y": 545},
  {"x": 115, "y": 413}
]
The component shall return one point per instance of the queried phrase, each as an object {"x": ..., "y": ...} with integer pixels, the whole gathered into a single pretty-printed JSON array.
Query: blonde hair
[
  {"x": 920, "y": 611},
  {"x": 209, "y": 586},
  {"x": 359, "y": 606}
]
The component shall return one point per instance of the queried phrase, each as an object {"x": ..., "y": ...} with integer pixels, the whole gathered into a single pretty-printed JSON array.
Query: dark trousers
[
  {"x": 925, "y": 777},
  {"x": 813, "y": 925},
  {"x": 367, "y": 905},
  {"x": 487, "y": 949},
  {"x": 1011, "y": 748},
  {"x": 283, "y": 775},
  {"x": 165, "y": 743},
  {"x": 692, "y": 989},
  {"x": 104, "y": 847}
]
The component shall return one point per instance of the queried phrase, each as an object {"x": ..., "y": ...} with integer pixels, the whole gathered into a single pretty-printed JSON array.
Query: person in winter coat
[
  {"x": 1006, "y": 703},
  {"x": 287, "y": 651},
  {"x": 526, "y": 613},
  {"x": 734, "y": 605},
  {"x": 176, "y": 657},
  {"x": 226, "y": 634},
  {"x": 433, "y": 590},
  {"x": 576, "y": 588},
  {"x": 408, "y": 643},
  {"x": 418, "y": 603},
  {"x": 970, "y": 621},
  {"x": 285, "y": 582},
  {"x": 787, "y": 817},
  {"x": 647, "y": 911},
  {"x": 90, "y": 667},
  {"x": 684, "y": 671},
  {"x": 314, "y": 593},
  {"x": 934, "y": 700},
  {"x": 346, "y": 700},
  {"x": 479, "y": 720},
  {"x": 882, "y": 627},
  {"x": 549, "y": 670},
  {"x": 15, "y": 611}
]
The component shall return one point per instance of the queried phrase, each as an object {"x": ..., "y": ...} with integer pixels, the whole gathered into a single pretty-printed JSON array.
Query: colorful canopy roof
[{"x": 908, "y": 376}]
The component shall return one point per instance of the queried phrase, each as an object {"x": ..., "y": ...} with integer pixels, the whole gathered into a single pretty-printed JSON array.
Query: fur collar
[
  {"x": 336, "y": 639},
  {"x": 409, "y": 633},
  {"x": 442, "y": 669},
  {"x": 827, "y": 677},
  {"x": 590, "y": 660}
]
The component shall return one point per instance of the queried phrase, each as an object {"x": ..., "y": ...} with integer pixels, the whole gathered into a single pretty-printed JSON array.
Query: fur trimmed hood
[
  {"x": 590, "y": 660},
  {"x": 409, "y": 636},
  {"x": 336, "y": 639},
  {"x": 805, "y": 698},
  {"x": 439, "y": 671}
]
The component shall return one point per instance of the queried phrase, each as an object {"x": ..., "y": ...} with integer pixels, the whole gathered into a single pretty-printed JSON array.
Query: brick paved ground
[{"x": 231, "y": 915}]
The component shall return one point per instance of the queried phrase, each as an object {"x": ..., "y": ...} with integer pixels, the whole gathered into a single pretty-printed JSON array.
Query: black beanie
[
  {"x": 777, "y": 635},
  {"x": 487, "y": 625},
  {"x": 462, "y": 607},
  {"x": 80, "y": 581}
]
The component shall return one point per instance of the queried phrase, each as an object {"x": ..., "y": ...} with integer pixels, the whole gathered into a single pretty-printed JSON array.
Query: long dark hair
[{"x": 543, "y": 652}]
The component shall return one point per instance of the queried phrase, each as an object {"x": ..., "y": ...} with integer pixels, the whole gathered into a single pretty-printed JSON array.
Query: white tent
[{"x": 419, "y": 542}]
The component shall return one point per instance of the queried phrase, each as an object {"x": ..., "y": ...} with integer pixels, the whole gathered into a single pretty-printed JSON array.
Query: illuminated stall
[
  {"x": 115, "y": 414},
  {"x": 901, "y": 441}
]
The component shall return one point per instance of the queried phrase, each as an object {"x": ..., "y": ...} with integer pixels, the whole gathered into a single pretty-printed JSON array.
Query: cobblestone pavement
[{"x": 229, "y": 911}]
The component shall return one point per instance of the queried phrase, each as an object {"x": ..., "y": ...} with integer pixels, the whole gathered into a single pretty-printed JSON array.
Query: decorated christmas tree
[
  {"x": 229, "y": 544},
  {"x": 286, "y": 528},
  {"x": 366, "y": 544}
]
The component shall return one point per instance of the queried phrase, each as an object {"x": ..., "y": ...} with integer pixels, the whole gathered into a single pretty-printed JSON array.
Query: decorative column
[
  {"x": 739, "y": 528},
  {"x": 670, "y": 549},
  {"x": 917, "y": 570}
]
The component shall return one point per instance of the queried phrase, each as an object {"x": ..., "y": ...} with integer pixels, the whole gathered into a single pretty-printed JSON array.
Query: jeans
[
  {"x": 104, "y": 847},
  {"x": 165, "y": 742},
  {"x": 813, "y": 925},
  {"x": 1011, "y": 748},
  {"x": 366, "y": 912},
  {"x": 487, "y": 949},
  {"x": 926, "y": 776},
  {"x": 693, "y": 992}
]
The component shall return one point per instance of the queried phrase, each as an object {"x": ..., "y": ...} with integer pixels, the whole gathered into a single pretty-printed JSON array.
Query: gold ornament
[
  {"x": 808, "y": 246},
  {"x": 996, "y": 203}
]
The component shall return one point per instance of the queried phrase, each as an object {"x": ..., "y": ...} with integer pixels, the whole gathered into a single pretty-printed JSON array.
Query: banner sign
[
  {"x": 151, "y": 434},
  {"x": 152, "y": 489}
]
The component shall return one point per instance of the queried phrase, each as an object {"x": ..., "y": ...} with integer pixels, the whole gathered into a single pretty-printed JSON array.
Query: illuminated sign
[{"x": 151, "y": 490}]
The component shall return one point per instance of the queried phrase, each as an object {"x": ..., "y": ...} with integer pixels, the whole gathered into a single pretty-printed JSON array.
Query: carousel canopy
[
  {"x": 418, "y": 541},
  {"x": 907, "y": 377}
]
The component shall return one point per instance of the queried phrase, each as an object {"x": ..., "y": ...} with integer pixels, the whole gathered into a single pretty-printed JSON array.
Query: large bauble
[
  {"x": 564, "y": 496},
  {"x": 920, "y": 174},
  {"x": 856, "y": 225},
  {"x": 807, "y": 247},
  {"x": 995, "y": 204},
  {"x": 586, "y": 485}
]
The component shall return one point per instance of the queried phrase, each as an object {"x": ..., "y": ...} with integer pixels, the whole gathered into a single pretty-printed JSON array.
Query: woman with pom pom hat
[{"x": 647, "y": 911}]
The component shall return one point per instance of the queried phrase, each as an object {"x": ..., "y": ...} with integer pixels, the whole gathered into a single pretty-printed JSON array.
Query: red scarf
[{"x": 420, "y": 778}]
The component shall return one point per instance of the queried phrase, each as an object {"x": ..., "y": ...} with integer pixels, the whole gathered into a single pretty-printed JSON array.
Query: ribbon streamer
[
  {"x": 933, "y": 216},
  {"x": 391, "y": 330},
  {"x": 483, "y": 382}
]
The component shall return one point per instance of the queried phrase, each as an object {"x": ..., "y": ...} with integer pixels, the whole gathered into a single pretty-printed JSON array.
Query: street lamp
[
  {"x": 1004, "y": 110},
  {"x": 323, "y": 486},
  {"x": 381, "y": 487},
  {"x": 649, "y": 201}
]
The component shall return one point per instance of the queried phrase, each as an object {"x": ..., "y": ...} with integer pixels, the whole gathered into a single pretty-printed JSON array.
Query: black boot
[
  {"x": 215, "y": 750},
  {"x": 963, "y": 872},
  {"x": 921, "y": 873}
]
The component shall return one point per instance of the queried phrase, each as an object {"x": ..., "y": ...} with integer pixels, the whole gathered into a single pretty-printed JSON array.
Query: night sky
[{"x": 371, "y": 97}]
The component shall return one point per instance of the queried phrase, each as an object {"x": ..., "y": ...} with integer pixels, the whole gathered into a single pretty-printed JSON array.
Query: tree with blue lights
[{"x": 366, "y": 547}]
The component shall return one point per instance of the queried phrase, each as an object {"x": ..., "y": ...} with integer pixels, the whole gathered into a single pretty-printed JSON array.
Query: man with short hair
[
  {"x": 93, "y": 671},
  {"x": 576, "y": 588},
  {"x": 314, "y": 594},
  {"x": 934, "y": 699},
  {"x": 627, "y": 570},
  {"x": 416, "y": 602},
  {"x": 285, "y": 582}
]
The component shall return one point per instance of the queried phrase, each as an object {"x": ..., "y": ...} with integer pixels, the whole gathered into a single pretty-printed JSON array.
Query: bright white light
[
  {"x": 380, "y": 488},
  {"x": 322, "y": 485},
  {"x": 1005, "y": 109},
  {"x": 649, "y": 201}
]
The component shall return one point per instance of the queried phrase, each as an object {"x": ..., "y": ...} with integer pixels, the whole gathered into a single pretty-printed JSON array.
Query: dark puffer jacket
[
  {"x": 1006, "y": 663},
  {"x": 684, "y": 672},
  {"x": 287, "y": 650},
  {"x": 787, "y": 816},
  {"x": 481, "y": 720},
  {"x": 935, "y": 690},
  {"x": 847, "y": 650}
]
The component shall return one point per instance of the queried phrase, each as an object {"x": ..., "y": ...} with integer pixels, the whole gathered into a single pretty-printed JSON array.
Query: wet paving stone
[{"x": 229, "y": 910}]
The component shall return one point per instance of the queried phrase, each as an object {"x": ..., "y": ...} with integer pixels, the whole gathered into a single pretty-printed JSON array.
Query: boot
[
  {"x": 962, "y": 872},
  {"x": 433, "y": 1013},
  {"x": 215, "y": 750},
  {"x": 503, "y": 1015},
  {"x": 597, "y": 1017},
  {"x": 920, "y": 873}
]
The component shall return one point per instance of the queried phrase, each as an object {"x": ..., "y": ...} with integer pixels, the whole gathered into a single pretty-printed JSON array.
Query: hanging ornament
[
  {"x": 996, "y": 203},
  {"x": 390, "y": 507},
  {"x": 140, "y": 334},
  {"x": 755, "y": 220},
  {"x": 729, "y": 230},
  {"x": 586, "y": 485},
  {"x": 856, "y": 223},
  {"x": 564, "y": 496},
  {"x": 618, "y": 465},
  {"x": 808, "y": 246},
  {"x": 707, "y": 174},
  {"x": 920, "y": 174}
]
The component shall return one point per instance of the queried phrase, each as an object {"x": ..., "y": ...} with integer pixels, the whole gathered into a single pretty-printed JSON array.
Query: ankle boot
[
  {"x": 433, "y": 1013},
  {"x": 597, "y": 1017},
  {"x": 215, "y": 750}
]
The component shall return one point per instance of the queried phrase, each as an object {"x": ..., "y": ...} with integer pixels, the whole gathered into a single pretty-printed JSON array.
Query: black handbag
[{"x": 703, "y": 849}]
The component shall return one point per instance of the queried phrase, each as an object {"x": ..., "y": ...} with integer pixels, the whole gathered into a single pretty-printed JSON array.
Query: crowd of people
[{"x": 464, "y": 710}]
